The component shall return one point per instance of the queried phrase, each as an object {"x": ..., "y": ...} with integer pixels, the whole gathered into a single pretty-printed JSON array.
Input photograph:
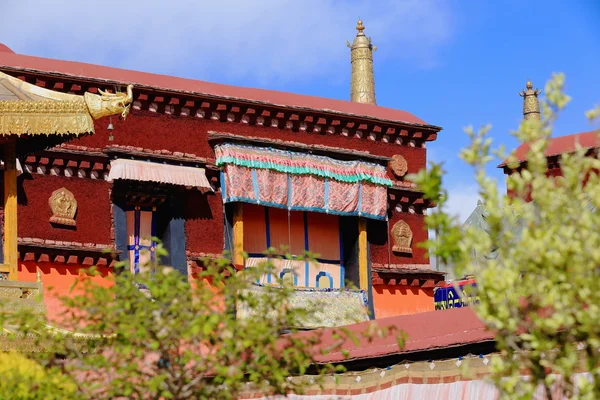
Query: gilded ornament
[
  {"x": 107, "y": 104},
  {"x": 398, "y": 165},
  {"x": 27, "y": 109},
  {"x": 402, "y": 235},
  {"x": 362, "y": 81},
  {"x": 63, "y": 206},
  {"x": 531, "y": 105}
]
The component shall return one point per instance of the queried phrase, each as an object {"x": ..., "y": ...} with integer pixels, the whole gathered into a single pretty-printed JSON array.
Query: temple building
[
  {"x": 209, "y": 168},
  {"x": 557, "y": 146}
]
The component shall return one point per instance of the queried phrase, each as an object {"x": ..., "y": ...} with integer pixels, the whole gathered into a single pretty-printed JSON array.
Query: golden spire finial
[
  {"x": 531, "y": 104},
  {"x": 362, "y": 82},
  {"x": 359, "y": 26}
]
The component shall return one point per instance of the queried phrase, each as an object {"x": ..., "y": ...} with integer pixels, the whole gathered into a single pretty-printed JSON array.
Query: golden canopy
[
  {"x": 43, "y": 117},
  {"x": 26, "y": 109}
]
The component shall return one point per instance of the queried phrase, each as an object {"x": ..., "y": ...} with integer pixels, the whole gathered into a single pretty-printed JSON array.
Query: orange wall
[
  {"x": 57, "y": 280},
  {"x": 394, "y": 300}
]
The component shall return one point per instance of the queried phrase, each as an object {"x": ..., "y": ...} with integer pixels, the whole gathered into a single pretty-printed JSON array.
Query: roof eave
[{"x": 366, "y": 117}]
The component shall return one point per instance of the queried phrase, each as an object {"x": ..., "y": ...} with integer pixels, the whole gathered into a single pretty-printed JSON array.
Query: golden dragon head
[{"x": 106, "y": 103}]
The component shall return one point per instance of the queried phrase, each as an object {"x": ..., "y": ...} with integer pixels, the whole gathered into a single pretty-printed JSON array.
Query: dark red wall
[
  {"x": 204, "y": 222},
  {"x": 204, "y": 213},
  {"x": 93, "y": 209},
  {"x": 379, "y": 246},
  {"x": 189, "y": 135},
  {"x": 552, "y": 172}
]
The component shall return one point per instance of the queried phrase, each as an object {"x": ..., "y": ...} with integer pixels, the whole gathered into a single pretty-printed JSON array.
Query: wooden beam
[
  {"x": 238, "y": 234},
  {"x": 363, "y": 254},
  {"x": 10, "y": 209}
]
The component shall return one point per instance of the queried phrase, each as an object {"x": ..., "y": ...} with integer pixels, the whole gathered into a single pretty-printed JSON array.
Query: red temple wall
[
  {"x": 58, "y": 280},
  {"x": 204, "y": 222},
  {"x": 553, "y": 172},
  {"x": 93, "y": 209},
  {"x": 190, "y": 135},
  {"x": 390, "y": 300},
  {"x": 379, "y": 246}
]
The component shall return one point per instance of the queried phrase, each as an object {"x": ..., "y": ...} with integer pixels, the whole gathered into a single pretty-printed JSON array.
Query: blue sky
[{"x": 451, "y": 62}]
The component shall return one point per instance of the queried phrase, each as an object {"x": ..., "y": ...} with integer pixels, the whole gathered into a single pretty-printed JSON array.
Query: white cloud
[
  {"x": 462, "y": 200},
  {"x": 262, "y": 40}
]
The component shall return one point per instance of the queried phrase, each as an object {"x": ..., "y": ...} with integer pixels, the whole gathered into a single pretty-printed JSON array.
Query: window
[
  {"x": 142, "y": 211},
  {"x": 141, "y": 228},
  {"x": 298, "y": 231}
]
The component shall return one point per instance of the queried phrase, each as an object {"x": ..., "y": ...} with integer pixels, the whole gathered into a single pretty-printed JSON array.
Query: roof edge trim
[{"x": 432, "y": 128}]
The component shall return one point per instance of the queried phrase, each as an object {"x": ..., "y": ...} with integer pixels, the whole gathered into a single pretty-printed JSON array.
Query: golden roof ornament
[
  {"x": 362, "y": 81},
  {"x": 531, "y": 104},
  {"x": 27, "y": 109},
  {"x": 63, "y": 206},
  {"x": 402, "y": 235},
  {"x": 107, "y": 104},
  {"x": 398, "y": 165}
]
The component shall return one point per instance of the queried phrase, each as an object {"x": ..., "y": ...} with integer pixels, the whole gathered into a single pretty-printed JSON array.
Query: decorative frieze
[
  {"x": 418, "y": 275},
  {"x": 399, "y": 166},
  {"x": 402, "y": 236},
  {"x": 252, "y": 112},
  {"x": 64, "y": 207},
  {"x": 83, "y": 162},
  {"x": 63, "y": 252}
]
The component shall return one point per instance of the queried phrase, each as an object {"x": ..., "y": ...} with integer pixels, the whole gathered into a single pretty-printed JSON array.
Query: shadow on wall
[{"x": 198, "y": 205}]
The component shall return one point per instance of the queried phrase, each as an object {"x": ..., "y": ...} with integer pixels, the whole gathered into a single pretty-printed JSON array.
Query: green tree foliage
[
  {"x": 541, "y": 295},
  {"x": 156, "y": 335}
]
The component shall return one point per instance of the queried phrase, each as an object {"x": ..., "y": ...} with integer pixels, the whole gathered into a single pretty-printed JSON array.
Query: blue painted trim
[
  {"x": 342, "y": 267},
  {"x": 267, "y": 227},
  {"x": 326, "y": 200},
  {"x": 136, "y": 241},
  {"x": 223, "y": 185},
  {"x": 121, "y": 233},
  {"x": 327, "y": 274},
  {"x": 306, "y": 265},
  {"x": 290, "y": 193},
  {"x": 153, "y": 233},
  {"x": 298, "y": 208},
  {"x": 137, "y": 246},
  {"x": 360, "y": 191},
  {"x": 320, "y": 260},
  {"x": 173, "y": 237},
  {"x": 286, "y": 270},
  {"x": 257, "y": 282},
  {"x": 255, "y": 186}
]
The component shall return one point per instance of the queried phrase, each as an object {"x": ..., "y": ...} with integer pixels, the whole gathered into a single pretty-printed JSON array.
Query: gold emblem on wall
[
  {"x": 398, "y": 165},
  {"x": 402, "y": 235},
  {"x": 63, "y": 206}
]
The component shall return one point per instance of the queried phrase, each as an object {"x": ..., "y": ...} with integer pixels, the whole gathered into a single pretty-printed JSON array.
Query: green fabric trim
[{"x": 304, "y": 171}]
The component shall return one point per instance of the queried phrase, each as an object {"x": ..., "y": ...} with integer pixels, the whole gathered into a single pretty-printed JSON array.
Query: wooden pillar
[
  {"x": 238, "y": 234},
  {"x": 363, "y": 254},
  {"x": 11, "y": 254}
]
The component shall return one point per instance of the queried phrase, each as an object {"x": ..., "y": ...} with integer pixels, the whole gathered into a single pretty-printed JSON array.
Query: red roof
[
  {"x": 11, "y": 61},
  {"x": 562, "y": 144},
  {"x": 5, "y": 49},
  {"x": 426, "y": 331}
]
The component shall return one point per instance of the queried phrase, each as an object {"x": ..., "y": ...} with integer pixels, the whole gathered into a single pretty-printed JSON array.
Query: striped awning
[
  {"x": 302, "y": 182},
  {"x": 147, "y": 171}
]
